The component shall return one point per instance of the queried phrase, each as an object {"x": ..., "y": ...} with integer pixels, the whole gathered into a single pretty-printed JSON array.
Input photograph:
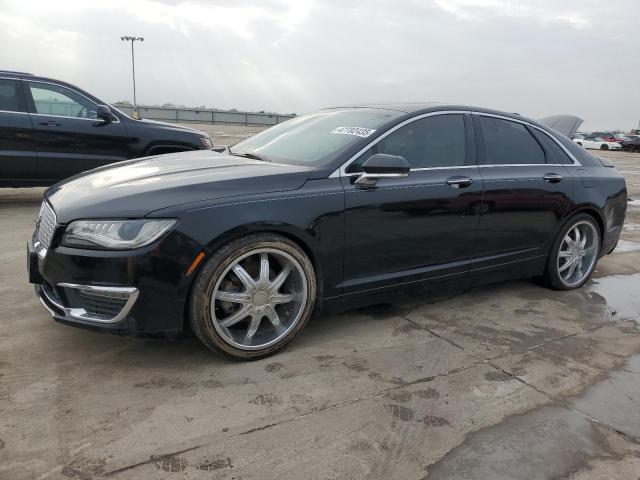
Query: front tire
[
  {"x": 253, "y": 296},
  {"x": 604, "y": 147},
  {"x": 574, "y": 254}
]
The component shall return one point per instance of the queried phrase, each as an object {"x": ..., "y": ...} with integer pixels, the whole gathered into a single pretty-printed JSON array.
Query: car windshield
[{"x": 316, "y": 138}]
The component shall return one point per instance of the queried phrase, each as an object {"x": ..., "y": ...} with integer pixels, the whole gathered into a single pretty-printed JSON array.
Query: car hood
[
  {"x": 169, "y": 126},
  {"x": 135, "y": 188},
  {"x": 565, "y": 124}
]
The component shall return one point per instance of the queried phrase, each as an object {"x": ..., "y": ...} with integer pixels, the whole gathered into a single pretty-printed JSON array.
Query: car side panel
[
  {"x": 312, "y": 216},
  {"x": 601, "y": 192},
  {"x": 18, "y": 161}
]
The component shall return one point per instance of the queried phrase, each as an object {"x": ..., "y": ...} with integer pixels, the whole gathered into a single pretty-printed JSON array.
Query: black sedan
[
  {"x": 328, "y": 211},
  {"x": 50, "y": 130}
]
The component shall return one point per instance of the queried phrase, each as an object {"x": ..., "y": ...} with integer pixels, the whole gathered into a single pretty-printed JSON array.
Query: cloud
[{"x": 536, "y": 58}]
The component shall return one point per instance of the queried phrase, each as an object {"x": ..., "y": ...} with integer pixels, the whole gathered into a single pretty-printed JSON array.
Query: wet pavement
[{"x": 508, "y": 381}]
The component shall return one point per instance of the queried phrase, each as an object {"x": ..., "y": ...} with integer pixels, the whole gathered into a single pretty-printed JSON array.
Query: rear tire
[
  {"x": 253, "y": 296},
  {"x": 573, "y": 256}
]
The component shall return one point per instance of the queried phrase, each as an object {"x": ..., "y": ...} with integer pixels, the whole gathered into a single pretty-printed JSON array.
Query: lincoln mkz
[{"x": 328, "y": 211}]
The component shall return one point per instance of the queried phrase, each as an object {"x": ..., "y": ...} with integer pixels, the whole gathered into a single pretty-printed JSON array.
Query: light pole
[{"x": 127, "y": 38}]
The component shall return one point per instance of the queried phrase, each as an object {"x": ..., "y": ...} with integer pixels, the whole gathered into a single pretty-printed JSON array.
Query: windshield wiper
[{"x": 251, "y": 155}]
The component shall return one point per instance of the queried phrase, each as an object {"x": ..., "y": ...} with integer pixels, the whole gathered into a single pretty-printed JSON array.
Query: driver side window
[
  {"x": 60, "y": 101},
  {"x": 437, "y": 141}
]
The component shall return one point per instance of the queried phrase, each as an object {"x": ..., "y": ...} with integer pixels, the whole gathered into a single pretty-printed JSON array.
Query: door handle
[
  {"x": 50, "y": 123},
  {"x": 552, "y": 178},
  {"x": 458, "y": 181}
]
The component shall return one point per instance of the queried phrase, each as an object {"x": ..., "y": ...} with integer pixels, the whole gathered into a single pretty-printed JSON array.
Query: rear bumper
[{"x": 614, "y": 214}]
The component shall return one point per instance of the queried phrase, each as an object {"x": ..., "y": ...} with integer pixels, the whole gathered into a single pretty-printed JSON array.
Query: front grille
[
  {"x": 46, "y": 224},
  {"x": 102, "y": 303}
]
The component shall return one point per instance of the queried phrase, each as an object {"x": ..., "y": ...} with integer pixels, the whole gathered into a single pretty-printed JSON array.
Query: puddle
[
  {"x": 550, "y": 442},
  {"x": 621, "y": 292},
  {"x": 616, "y": 400},
  {"x": 625, "y": 246}
]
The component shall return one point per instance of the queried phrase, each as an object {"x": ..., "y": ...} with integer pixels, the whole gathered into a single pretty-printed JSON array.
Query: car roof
[{"x": 415, "y": 108}]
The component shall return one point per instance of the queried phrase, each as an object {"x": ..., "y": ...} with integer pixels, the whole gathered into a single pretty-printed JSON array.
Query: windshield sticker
[{"x": 357, "y": 131}]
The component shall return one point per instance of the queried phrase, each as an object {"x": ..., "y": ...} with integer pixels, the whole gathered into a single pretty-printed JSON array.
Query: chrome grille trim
[
  {"x": 128, "y": 296},
  {"x": 46, "y": 225}
]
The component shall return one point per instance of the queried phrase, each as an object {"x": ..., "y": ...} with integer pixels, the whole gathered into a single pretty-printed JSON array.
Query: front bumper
[{"x": 129, "y": 293}]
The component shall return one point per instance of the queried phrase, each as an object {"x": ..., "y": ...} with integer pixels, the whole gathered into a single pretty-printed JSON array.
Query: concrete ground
[{"x": 510, "y": 381}]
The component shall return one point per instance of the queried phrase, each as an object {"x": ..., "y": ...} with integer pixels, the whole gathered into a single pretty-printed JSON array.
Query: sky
[{"x": 536, "y": 58}]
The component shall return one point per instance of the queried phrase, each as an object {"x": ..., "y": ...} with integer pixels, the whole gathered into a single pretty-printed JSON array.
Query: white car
[{"x": 597, "y": 143}]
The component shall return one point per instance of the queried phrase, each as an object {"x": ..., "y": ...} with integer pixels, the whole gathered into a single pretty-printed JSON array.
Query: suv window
[
  {"x": 10, "y": 98},
  {"x": 508, "y": 142},
  {"x": 553, "y": 152},
  {"x": 437, "y": 141},
  {"x": 57, "y": 100}
]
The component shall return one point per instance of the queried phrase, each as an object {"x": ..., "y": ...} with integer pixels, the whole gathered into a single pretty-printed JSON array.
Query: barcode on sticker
[{"x": 357, "y": 131}]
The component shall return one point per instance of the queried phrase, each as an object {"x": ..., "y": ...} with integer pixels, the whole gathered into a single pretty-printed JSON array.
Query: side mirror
[
  {"x": 380, "y": 166},
  {"x": 103, "y": 112}
]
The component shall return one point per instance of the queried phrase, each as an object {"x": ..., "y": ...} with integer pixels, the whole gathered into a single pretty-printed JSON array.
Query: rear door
[
  {"x": 17, "y": 150},
  {"x": 69, "y": 138},
  {"x": 527, "y": 190}
]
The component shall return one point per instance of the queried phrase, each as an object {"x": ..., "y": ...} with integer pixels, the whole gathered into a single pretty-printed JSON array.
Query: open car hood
[{"x": 565, "y": 124}]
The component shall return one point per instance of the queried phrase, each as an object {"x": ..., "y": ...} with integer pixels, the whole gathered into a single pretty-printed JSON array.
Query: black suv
[{"x": 50, "y": 130}]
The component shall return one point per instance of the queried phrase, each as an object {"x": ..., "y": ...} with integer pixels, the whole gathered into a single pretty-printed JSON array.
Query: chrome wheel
[
  {"x": 259, "y": 298},
  {"x": 578, "y": 253}
]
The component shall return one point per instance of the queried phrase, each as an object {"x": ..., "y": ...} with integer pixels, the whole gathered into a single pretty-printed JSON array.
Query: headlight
[
  {"x": 206, "y": 141},
  {"x": 115, "y": 234}
]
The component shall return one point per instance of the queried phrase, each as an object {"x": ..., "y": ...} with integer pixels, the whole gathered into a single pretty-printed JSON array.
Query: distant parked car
[
  {"x": 632, "y": 145},
  {"x": 51, "y": 130},
  {"x": 619, "y": 138},
  {"x": 597, "y": 143},
  {"x": 606, "y": 136}
]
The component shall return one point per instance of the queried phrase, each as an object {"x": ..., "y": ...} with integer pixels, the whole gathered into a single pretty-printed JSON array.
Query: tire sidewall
[
  {"x": 200, "y": 298},
  {"x": 553, "y": 277}
]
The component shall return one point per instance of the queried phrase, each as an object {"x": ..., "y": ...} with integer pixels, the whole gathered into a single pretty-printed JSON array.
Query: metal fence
[{"x": 192, "y": 115}]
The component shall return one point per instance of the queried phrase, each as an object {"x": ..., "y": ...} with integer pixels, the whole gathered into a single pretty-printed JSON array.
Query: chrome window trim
[
  {"x": 81, "y": 313},
  {"x": 340, "y": 172},
  {"x": 12, "y": 111},
  {"x": 117, "y": 120},
  {"x": 576, "y": 163}
]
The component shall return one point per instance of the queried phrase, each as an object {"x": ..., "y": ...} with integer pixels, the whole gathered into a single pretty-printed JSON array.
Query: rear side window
[
  {"x": 508, "y": 143},
  {"x": 10, "y": 96},
  {"x": 554, "y": 153},
  {"x": 437, "y": 141}
]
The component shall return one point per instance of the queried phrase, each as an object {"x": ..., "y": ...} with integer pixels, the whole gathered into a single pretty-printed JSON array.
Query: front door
[
  {"x": 69, "y": 138},
  {"x": 17, "y": 150},
  {"x": 528, "y": 187},
  {"x": 422, "y": 227}
]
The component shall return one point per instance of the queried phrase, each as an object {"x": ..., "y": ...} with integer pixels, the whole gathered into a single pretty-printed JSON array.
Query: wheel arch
[
  {"x": 294, "y": 234},
  {"x": 588, "y": 209}
]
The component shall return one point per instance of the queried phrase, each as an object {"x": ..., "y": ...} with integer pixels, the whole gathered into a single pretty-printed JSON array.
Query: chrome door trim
[
  {"x": 340, "y": 171},
  {"x": 11, "y": 111}
]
